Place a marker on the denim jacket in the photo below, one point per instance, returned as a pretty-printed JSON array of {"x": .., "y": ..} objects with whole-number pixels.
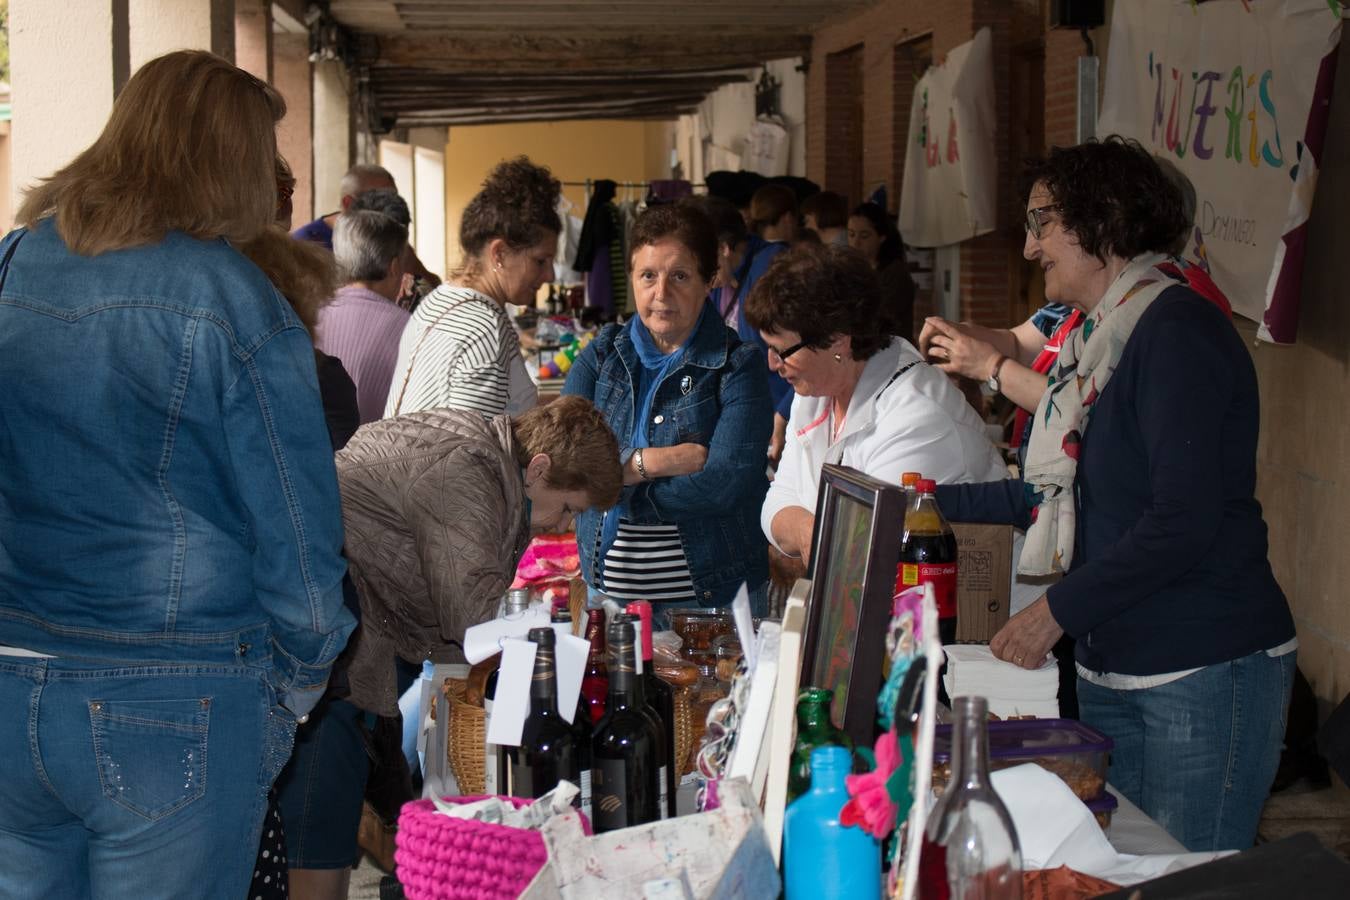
[
  {"x": 718, "y": 396},
  {"x": 167, "y": 487}
]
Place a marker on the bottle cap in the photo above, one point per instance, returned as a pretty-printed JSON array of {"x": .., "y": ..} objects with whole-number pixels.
[
  {"x": 544, "y": 637},
  {"x": 829, "y": 758},
  {"x": 925, "y": 485},
  {"x": 909, "y": 478},
  {"x": 517, "y": 600}
]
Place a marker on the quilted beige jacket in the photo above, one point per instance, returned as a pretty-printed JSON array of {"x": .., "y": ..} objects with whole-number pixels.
[{"x": 433, "y": 503}]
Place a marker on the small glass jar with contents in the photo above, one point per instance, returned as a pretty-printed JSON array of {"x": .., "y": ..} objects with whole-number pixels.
[{"x": 727, "y": 653}]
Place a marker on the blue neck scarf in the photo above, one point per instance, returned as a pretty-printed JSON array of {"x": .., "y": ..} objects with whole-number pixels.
[{"x": 654, "y": 367}]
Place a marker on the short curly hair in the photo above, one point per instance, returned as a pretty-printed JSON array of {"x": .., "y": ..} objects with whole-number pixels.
[
  {"x": 820, "y": 293},
  {"x": 580, "y": 444},
  {"x": 517, "y": 203},
  {"x": 682, "y": 222},
  {"x": 1112, "y": 196}
]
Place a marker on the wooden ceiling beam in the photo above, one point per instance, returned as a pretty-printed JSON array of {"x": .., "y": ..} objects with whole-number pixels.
[{"x": 522, "y": 53}]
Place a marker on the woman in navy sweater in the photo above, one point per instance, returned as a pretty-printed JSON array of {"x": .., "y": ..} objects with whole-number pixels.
[{"x": 1139, "y": 485}]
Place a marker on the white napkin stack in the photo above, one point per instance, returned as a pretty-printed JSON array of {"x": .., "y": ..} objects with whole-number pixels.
[{"x": 974, "y": 671}]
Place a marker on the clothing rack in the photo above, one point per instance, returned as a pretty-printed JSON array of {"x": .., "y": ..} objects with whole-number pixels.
[{"x": 589, "y": 183}]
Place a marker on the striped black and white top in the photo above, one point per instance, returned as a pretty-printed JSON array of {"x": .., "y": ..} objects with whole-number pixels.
[
  {"x": 647, "y": 562},
  {"x": 464, "y": 354}
]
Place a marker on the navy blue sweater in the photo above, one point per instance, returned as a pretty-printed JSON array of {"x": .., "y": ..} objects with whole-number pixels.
[{"x": 1169, "y": 568}]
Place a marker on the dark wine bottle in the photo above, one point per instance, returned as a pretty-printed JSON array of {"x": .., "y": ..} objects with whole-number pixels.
[
  {"x": 661, "y": 701},
  {"x": 496, "y": 778},
  {"x": 595, "y": 683},
  {"x": 625, "y": 771},
  {"x": 663, "y": 736},
  {"x": 547, "y": 751},
  {"x": 582, "y": 727}
]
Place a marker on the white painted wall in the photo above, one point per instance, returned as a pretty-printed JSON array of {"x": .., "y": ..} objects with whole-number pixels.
[
  {"x": 160, "y": 26},
  {"x": 59, "y": 107}
]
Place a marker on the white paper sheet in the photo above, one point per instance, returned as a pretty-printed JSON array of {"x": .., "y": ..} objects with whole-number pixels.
[
  {"x": 481, "y": 641},
  {"x": 570, "y": 657},
  {"x": 511, "y": 703}
]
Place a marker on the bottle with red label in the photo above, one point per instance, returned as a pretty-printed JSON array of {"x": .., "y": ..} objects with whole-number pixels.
[{"x": 928, "y": 555}]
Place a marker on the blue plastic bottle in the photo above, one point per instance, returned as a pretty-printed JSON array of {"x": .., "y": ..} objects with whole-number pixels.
[{"x": 822, "y": 858}]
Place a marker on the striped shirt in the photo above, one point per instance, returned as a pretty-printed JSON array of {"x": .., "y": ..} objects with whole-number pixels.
[
  {"x": 363, "y": 329},
  {"x": 463, "y": 353},
  {"x": 647, "y": 562}
]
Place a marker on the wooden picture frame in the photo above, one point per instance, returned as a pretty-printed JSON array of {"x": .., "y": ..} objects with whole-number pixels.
[{"x": 854, "y": 552}]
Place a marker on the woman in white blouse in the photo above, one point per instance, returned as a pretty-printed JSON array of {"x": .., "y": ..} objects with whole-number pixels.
[
  {"x": 459, "y": 349},
  {"x": 865, "y": 398}
]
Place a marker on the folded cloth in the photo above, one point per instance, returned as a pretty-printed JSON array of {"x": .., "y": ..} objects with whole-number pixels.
[{"x": 1012, "y": 691}]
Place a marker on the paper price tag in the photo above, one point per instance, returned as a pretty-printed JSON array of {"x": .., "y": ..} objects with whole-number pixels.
[{"x": 511, "y": 705}]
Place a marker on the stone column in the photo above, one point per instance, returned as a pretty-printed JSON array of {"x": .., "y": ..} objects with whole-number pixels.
[
  {"x": 159, "y": 26},
  {"x": 332, "y": 134},
  {"x": 253, "y": 38},
  {"x": 295, "y": 138},
  {"x": 67, "y": 62}
]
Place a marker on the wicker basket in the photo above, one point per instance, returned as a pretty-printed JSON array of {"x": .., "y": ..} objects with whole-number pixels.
[
  {"x": 685, "y": 731},
  {"x": 467, "y": 739}
]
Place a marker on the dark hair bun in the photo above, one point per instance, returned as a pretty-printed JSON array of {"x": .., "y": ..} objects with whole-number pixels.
[{"x": 517, "y": 203}]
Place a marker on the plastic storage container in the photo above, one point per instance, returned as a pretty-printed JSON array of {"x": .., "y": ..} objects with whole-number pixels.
[
  {"x": 698, "y": 628},
  {"x": 1071, "y": 750},
  {"x": 1103, "y": 808}
]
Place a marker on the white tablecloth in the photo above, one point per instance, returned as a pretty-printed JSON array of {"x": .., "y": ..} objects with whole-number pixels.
[{"x": 1132, "y": 831}]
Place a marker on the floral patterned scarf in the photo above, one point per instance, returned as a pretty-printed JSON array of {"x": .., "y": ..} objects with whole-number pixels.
[{"x": 1085, "y": 365}]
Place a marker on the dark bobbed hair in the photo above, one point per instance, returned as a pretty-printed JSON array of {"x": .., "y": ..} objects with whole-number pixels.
[
  {"x": 829, "y": 208},
  {"x": 517, "y": 203},
  {"x": 771, "y": 203},
  {"x": 892, "y": 247},
  {"x": 725, "y": 217},
  {"x": 682, "y": 222},
  {"x": 1113, "y": 197},
  {"x": 820, "y": 293}
]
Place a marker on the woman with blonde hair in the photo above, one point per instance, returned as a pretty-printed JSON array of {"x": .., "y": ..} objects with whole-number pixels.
[{"x": 170, "y": 587}]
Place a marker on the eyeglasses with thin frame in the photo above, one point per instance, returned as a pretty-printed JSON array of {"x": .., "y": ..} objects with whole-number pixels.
[
  {"x": 782, "y": 355},
  {"x": 1034, "y": 221}
]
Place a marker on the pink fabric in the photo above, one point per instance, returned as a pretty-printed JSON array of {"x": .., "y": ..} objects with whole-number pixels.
[{"x": 870, "y": 806}]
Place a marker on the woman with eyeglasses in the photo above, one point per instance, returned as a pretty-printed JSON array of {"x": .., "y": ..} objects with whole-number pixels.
[
  {"x": 689, "y": 402},
  {"x": 865, "y": 398},
  {"x": 1139, "y": 486}
]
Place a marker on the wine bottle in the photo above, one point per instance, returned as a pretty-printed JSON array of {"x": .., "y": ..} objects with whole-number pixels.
[
  {"x": 495, "y": 778},
  {"x": 661, "y": 701},
  {"x": 625, "y": 772},
  {"x": 582, "y": 730},
  {"x": 663, "y": 753},
  {"x": 595, "y": 683},
  {"x": 547, "y": 752}
]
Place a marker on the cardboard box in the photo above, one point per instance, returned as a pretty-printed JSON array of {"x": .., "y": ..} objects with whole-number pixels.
[{"x": 983, "y": 580}]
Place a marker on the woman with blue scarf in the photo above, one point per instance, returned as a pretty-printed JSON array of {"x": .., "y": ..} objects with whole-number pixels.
[{"x": 689, "y": 403}]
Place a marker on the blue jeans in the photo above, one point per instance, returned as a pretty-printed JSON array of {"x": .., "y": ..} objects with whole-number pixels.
[
  {"x": 1198, "y": 754},
  {"x": 142, "y": 781}
]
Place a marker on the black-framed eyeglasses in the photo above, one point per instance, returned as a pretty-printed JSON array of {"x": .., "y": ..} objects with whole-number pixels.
[
  {"x": 1034, "y": 221},
  {"x": 782, "y": 355}
]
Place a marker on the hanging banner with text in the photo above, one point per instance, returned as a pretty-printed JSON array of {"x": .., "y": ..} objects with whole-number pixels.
[
  {"x": 1237, "y": 94},
  {"x": 950, "y": 187}
]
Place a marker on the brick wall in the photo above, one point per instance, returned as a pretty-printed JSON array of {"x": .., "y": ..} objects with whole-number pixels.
[
  {"x": 996, "y": 286},
  {"x": 844, "y": 115}
]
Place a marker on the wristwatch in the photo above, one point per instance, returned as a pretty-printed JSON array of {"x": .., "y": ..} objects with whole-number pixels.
[{"x": 994, "y": 384}]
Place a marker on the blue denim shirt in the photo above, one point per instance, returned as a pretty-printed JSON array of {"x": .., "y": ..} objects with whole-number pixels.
[
  {"x": 718, "y": 396},
  {"x": 167, "y": 488}
]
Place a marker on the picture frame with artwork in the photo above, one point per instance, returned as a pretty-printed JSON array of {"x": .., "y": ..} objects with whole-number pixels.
[{"x": 854, "y": 552}]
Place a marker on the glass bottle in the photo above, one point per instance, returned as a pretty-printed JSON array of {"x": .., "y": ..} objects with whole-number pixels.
[
  {"x": 659, "y": 726},
  {"x": 581, "y": 724},
  {"x": 929, "y": 554},
  {"x": 814, "y": 730},
  {"x": 661, "y": 700},
  {"x": 595, "y": 681},
  {"x": 547, "y": 752},
  {"x": 516, "y": 602},
  {"x": 970, "y": 849},
  {"x": 624, "y": 774},
  {"x": 823, "y": 859}
]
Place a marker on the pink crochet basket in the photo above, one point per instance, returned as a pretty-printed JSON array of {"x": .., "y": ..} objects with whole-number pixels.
[{"x": 440, "y": 858}]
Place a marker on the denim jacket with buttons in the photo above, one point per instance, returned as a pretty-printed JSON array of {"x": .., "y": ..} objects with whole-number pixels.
[
  {"x": 717, "y": 396},
  {"x": 167, "y": 487}
]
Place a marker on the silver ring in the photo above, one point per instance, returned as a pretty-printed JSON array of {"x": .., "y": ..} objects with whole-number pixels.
[{"x": 1017, "y": 659}]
